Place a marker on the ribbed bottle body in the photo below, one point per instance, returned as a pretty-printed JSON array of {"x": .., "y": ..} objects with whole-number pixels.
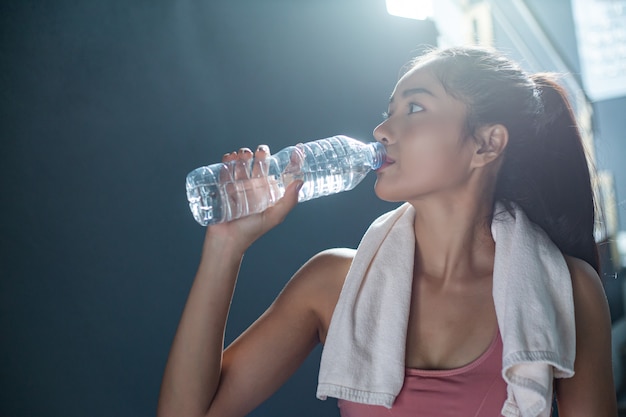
[{"x": 327, "y": 166}]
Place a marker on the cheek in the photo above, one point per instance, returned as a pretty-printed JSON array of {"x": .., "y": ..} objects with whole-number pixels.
[
  {"x": 440, "y": 140},
  {"x": 428, "y": 169},
  {"x": 431, "y": 158},
  {"x": 431, "y": 154}
]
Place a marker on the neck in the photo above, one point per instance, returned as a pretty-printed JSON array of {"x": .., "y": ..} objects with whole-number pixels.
[{"x": 454, "y": 245}]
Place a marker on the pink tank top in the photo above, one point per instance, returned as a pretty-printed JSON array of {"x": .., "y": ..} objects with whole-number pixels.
[{"x": 474, "y": 390}]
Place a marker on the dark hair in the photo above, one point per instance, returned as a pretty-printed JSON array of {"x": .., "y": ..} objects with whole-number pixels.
[{"x": 545, "y": 168}]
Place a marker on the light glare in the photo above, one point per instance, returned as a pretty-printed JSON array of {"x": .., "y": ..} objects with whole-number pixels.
[{"x": 412, "y": 9}]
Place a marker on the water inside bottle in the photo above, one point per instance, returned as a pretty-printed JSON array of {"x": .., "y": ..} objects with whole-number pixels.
[
  {"x": 243, "y": 197},
  {"x": 247, "y": 196},
  {"x": 322, "y": 183},
  {"x": 216, "y": 203},
  {"x": 327, "y": 166}
]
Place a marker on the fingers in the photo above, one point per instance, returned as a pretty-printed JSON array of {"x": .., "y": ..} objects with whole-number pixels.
[
  {"x": 244, "y": 164},
  {"x": 228, "y": 157},
  {"x": 260, "y": 192},
  {"x": 260, "y": 165},
  {"x": 226, "y": 173},
  {"x": 236, "y": 165}
]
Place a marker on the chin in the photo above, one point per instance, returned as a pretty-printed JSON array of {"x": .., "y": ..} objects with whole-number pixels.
[{"x": 386, "y": 194}]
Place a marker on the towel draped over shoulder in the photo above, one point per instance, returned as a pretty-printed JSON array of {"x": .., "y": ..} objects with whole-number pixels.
[{"x": 364, "y": 354}]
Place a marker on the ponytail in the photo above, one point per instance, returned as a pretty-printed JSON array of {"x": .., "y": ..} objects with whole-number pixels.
[
  {"x": 545, "y": 169},
  {"x": 548, "y": 176}
]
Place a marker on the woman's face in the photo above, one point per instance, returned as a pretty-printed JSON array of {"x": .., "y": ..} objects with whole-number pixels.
[{"x": 424, "y": 135}]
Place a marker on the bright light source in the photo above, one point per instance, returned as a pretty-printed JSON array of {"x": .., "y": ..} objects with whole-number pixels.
[{"x": 412, "y": 9}]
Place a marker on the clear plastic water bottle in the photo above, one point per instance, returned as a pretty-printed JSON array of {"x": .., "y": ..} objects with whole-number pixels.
[{"x": 327, "y": 166}]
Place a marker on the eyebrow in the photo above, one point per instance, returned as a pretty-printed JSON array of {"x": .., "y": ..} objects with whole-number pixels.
[{"x": 412, "y": 91}]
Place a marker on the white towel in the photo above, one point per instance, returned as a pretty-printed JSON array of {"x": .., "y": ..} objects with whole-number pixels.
[{"x": 364, "y": 354}]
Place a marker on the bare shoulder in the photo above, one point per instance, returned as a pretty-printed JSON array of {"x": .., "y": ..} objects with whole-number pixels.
[
  {"x": 590, "y": 391},
  {"x": 318, "y": 283},
  {"x": 326, "y": 270},
  {"x": 589, "y": 296},
  {"x": 332, "y": 258},
  {"x": 591, "y": 309}
]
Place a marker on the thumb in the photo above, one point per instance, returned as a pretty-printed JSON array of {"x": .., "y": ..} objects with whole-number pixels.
[
  {"x": 279, "y": 211},
  {"x": 290, "y": 199}
]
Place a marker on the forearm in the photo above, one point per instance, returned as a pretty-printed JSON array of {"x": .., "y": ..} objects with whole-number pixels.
[{"x": 192, "y": 373}]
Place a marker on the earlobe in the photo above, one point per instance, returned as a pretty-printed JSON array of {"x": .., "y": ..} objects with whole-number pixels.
[{"x": 491, "y": 142}]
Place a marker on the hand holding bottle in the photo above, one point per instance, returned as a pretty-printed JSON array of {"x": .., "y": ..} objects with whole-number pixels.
[
  {"x": 226, "y": 191},
  {"x": 249, "y": 172}
]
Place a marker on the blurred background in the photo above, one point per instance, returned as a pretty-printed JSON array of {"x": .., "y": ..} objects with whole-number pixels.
[{"x": 106, "y": 106}]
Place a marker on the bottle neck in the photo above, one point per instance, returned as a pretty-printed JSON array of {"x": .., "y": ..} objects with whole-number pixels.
[{"x": 376, "y": 155}]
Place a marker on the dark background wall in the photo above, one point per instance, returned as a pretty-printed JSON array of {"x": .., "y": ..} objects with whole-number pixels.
[{"x": 105, "y": 107}]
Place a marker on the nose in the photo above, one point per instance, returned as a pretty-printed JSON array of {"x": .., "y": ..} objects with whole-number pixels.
[{"x": 381, "y": 133}]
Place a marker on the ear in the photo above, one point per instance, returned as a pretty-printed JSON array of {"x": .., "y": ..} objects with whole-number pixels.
[{"x": 491, "y": 140}]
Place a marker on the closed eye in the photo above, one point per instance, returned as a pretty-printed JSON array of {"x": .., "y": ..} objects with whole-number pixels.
[{"x": 386, "y": 115}]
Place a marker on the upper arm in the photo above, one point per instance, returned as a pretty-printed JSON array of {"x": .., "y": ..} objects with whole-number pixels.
[
  {"x": 590, "y": 392},
  {"x": 259, "y": 361}
]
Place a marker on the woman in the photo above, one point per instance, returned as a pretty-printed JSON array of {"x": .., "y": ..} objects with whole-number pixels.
[{"x": 465, "y": 129}]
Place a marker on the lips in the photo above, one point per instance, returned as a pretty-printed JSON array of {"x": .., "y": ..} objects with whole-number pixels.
[{"x": 388, "y": 161}]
